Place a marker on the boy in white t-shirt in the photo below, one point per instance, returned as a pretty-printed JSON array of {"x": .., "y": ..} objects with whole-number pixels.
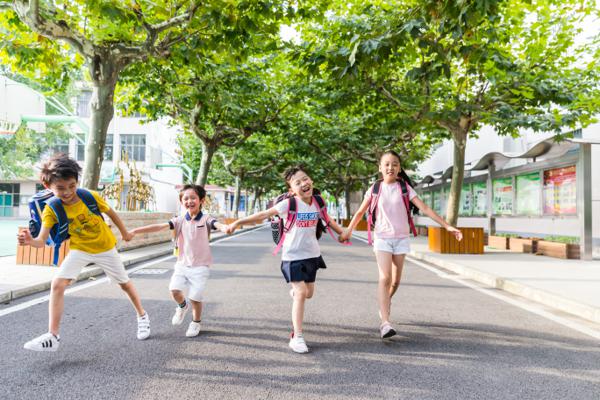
[
  {"x": 194, "y": 258},
  {"x": 301, "y": 255}
]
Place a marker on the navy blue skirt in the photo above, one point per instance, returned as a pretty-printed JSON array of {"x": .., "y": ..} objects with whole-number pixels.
[{"x": 302, "y": 270}]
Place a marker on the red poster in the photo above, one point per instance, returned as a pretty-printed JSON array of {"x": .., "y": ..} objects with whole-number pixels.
[{"x": 560, "y": 191}]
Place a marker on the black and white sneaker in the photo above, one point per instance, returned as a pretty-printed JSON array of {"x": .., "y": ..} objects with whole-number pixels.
[{"x": 45, "y": 342}]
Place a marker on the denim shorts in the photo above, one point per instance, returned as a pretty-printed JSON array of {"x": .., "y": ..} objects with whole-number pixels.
[
  {"x": 302, "y": 270},
  {"x": 394, "y": 246}
]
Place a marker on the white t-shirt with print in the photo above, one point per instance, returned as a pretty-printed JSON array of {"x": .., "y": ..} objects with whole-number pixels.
[{"x": 300, "y": 242}]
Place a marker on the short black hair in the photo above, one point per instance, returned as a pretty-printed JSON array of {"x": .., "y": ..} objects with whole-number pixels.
[
  {"x": 200, "y": 191},
  {"x": 59, "y": 166},
  {"x": 291, "y": 171}
]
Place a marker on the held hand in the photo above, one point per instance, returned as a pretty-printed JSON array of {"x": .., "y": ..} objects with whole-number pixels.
[
  {"x": 24, "y": 237},
  {"x": 224, "y": 228},
  {"x": 457, "y": 234},
  {"x": 344, "y": 236},
  {"x": 127, "y": 236}
]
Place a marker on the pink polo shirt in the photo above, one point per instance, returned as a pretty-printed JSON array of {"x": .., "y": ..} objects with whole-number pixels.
[
  {"x": 194, "y": 250},
  {"x": 391, "y": 217}
]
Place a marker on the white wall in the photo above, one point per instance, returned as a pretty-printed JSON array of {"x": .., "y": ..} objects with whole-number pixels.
[{"x": 17, "y": 99}]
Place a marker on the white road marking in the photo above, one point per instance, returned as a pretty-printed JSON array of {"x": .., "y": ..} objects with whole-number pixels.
[
  {"x": 534, "y": 309},
  {"x": 45, "y": 298}
]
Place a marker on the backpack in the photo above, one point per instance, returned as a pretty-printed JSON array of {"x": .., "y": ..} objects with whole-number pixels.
[
  {"x": 372, "y": 212},
  {"x": 60, "y": 231},
  {"x": 279, "y": 228}
]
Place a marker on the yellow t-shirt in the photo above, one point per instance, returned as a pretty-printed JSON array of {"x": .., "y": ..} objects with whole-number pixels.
[{"x": 88, "y": 231}]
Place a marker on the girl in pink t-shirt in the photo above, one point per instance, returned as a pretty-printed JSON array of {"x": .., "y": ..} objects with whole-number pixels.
[{"x": 391, "y": 232}]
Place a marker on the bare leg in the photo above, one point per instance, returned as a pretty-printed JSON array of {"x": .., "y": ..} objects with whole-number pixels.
[
  {"x": 302, "y": 291},
  {"x": 196, "y": 310},
  {"x": 57, "y": 304},
  {"x": 178, "y": 296},
  {"x": 398, "y": 264},
  {"x": 384, "y": 263},
  {"x": 129, "y": 289}
]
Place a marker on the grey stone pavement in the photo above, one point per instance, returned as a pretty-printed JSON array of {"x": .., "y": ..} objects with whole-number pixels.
[{"x": 454, "y": 342}]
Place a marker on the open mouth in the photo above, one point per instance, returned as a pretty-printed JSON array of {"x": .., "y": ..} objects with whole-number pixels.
[{"x": 306, "y": 189}]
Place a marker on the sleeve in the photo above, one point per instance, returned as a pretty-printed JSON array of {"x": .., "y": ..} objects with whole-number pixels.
[
  {"x": 48, "y": 218},
  {"x": 411, "y": 192},
  {"x": 282, "y": 208},
  {"x": 102, "y": 204},
  {"x": 211, "y": 221},
  {"x": 368, "y": 193},
  {"x": 173, "y": 222}
]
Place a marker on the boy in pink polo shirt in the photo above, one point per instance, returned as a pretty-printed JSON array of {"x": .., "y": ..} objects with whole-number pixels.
[{"x": 194, "y": 258}]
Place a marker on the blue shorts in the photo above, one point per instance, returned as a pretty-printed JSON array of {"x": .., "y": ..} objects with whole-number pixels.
[{"x": 302, "y": 270}]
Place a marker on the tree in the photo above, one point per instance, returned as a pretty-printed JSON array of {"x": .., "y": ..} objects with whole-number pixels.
[
  {"x": 458, "y": 65},
  {"x": 109, "y": 37}
]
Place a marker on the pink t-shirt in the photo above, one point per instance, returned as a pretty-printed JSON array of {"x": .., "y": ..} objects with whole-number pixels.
[
  {"x": 391, "y": 217},
  {"x": 193, "y": 240}
]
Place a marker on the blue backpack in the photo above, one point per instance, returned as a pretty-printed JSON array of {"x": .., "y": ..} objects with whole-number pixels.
[{"x": 60, "y": 231}]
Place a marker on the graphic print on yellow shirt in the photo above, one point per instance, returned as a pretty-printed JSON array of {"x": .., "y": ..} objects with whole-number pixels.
[{"x": 88, "y": 231}]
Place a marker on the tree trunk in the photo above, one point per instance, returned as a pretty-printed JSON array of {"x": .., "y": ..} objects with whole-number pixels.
[
  {"x": 337, "y": 207},
  {"x": 208, "y": 151},
  {"x": 105, "y": 73},
  {"x": 236, "y": 200},
  {"x": 347, "y": 199},
  {"x": 458, "y": 172},
  {"x": 257, "y": 194}
]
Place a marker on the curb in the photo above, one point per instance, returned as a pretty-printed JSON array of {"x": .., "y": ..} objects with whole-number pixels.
[
  {"x": 552, "y": 300},
  {"x": 8, "y": 296}
]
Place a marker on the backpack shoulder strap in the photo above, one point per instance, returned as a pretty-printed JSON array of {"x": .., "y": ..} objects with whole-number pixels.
[
  {"x": 89, "y": 200},
  {"x": 292, "y": 214},
  {"x": 406, "y": 200},
  {"x": 375, "y": 192},
  {"x": 62, "y": 226}
]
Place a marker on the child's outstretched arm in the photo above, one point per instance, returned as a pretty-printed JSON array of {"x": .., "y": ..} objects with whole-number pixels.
[
  {"x": 150, "y": 228},
  {"x": 347, "y": 233},
  {"x": 125, "y": 234},
  {"x": 222, "y": 227},
  {"x": 25, "y": 239},
  {"x": 254, "y": 218},
  {"x": 436, "y": 217}
]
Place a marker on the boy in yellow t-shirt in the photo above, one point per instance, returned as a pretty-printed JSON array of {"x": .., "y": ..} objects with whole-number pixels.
[{"x": 91, "y": 242}]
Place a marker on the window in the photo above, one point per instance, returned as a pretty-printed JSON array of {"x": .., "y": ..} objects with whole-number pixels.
[
  {"x": 108, "y": 149},
  {"x": 135, "y": 146},
  {"x": 62, "y": 147},
  {"x": 83, "y": 104},
  {"x": 9, "y": 198}
]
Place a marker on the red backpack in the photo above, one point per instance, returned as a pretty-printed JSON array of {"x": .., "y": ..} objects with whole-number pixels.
[
  {"x": 375, "y": 193},
  {"x": 279, "y": 228}
]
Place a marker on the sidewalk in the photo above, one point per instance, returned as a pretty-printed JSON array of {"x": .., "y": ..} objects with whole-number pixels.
[
  {"x": 22, "y": 280},
  {"x": 572, "y": 286}
]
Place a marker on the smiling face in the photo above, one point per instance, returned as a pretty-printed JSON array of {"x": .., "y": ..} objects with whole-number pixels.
[
  {"x": 389, "y": 166},
  {"x": 191, "y": 201},
  {"x": 64, "y": 189},
  {"x": 301, "y": 185}
]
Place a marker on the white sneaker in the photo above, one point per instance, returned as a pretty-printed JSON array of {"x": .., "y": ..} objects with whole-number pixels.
[
  {"x": 179, "y": 315},
  {"x": 45, "y": 342},
  {"x": 386, "y": 330},
  {"x": 193, "y": 329},
  {"x": 298, "y": 344},
  {"x": 143, "y": 327}
]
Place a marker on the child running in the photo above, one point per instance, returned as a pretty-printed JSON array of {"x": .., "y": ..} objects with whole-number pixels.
[
  {"x": 392, "y": 241},
  {"x": 301, "y": 255},
  {"x": 91, "y": 242},
  {"x": 192, "y": 269}
]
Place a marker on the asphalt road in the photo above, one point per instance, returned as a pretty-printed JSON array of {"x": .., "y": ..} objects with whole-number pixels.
[{"x": 454, "y": 342}]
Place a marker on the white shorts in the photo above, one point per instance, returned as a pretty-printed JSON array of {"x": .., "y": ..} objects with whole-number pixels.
[
  {"x": 109, "y": 261},
  {"x": 190, "y": 279},
  {"x": 394, "y": 246}
]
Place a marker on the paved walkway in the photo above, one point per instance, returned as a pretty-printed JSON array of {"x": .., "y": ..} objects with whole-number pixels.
[
  {"x": 22, "y": 280},
  {"x": 572, "y": 286}
]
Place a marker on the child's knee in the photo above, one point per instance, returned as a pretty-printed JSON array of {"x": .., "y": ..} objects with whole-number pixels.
[
  {"x": 385, "y": 279},
  {"x": 59, "y": 284}
]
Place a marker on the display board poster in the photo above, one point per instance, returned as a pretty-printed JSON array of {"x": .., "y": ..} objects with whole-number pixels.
[
  {"x": 560, "y": 191},
  {"x": 437, "y": 201},
  {"x": 529, "y": 190},
  {"x": 426, "y": 197},
  {"x": 503, "y": 196},
  {"x": 479, "y": 190},
  {"x": 466, "y": 200}
]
